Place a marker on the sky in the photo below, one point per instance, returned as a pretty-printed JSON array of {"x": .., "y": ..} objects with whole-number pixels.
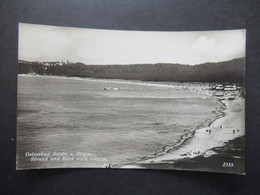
[{"x": 95, "y": 46}]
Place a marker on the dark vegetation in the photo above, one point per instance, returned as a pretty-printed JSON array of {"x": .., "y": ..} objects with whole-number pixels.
[{"x": 228, "y": 71}]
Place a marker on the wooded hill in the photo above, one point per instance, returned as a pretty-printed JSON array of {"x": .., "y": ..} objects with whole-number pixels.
[{"x": 227, "y": 71}]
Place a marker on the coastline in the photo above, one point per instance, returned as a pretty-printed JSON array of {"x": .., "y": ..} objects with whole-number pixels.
[
  {"x": 189, "y": 146},
  {"x": 224, "y": 130},
  {"x": 182, "y": 141}
]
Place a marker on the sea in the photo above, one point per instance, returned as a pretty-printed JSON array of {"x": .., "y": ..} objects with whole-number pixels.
[{"x": 76, "y": 123}]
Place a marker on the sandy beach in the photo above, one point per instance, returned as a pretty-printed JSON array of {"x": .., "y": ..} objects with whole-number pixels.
[{"x": 205, "y": 140}]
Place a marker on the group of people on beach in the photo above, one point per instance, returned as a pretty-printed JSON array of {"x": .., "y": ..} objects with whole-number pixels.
[
  {"x": 198, "y": 152},
  {"x": 234, "y": 131}
]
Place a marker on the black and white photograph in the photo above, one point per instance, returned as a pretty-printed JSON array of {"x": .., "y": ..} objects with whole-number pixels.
[{"x": 96, "y": 98}]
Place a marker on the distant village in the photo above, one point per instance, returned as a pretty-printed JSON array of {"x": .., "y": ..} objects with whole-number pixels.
[
  {"x": 219, "y": 90},
  {"x": 55, "y": 63},
  {"x": 228, "y": 89}
]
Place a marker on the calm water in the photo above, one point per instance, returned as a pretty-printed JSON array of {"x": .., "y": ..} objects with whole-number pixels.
[{"x": 119, "y": 127}]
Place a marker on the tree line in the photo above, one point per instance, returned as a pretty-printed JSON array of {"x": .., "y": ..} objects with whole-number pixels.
[{"x": 227, "y": 71}]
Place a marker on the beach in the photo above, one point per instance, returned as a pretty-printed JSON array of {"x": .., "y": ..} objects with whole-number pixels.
[{"x": 209, "y": 143}]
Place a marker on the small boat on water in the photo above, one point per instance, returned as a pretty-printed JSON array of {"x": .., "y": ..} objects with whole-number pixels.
[{"x": 111, "y": 88}]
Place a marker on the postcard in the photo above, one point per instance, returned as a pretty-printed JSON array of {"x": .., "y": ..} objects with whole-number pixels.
[{"x": 94, "y": 98}]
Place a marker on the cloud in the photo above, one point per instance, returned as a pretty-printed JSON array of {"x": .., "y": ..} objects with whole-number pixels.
[
  {"x": 204, "y": 44},
  {"x": 92, "y": 46}
]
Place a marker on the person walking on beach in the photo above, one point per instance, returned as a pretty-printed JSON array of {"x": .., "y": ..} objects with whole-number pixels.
[{"x": 234, "y": 131}]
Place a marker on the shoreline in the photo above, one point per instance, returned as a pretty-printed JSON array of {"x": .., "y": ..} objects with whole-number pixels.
[
  {"x": 180, "y": 142},
  {"x": 183, "y": 148},
  {"x": 221, "y": 133}
]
